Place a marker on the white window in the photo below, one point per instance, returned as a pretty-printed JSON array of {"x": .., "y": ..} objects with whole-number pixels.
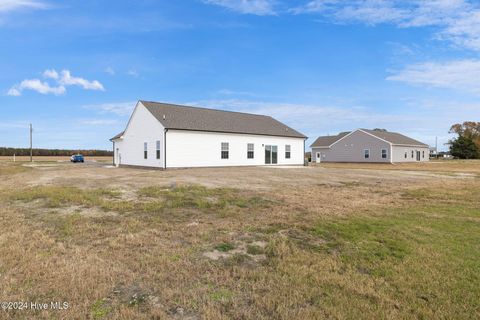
[
  {"x": 413, "y": 153},
  {"x": 406, "y": 154},
  {"x": 366, "y": 153},
  {"x": 423, "y": 154},
  {"x": 145, "y": 150},
  {"x": 250, "y": 150},
  {"x": 224, "y": 150},
  {"x": 158, "y": 149},
  {"x": 384, "y": 153},
  {"x": 287, "y": 151}
]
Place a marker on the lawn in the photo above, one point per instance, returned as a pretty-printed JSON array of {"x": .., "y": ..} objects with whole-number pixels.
[{"x": 252, "y": 243}]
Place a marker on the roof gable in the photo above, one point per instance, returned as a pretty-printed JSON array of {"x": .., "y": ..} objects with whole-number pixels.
[
  {"x": 393, "y": 138},
  {"x": 326, "y": 141},
  {"x": 201, "y": 119}
]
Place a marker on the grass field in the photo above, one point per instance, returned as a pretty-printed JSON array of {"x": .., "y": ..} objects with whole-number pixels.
[
  {"x": 51, "y": 159},
  {"x": 322, "y": 242}
]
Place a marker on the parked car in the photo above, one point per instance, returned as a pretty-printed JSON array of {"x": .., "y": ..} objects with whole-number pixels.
[{"x": 77, "y": 158}]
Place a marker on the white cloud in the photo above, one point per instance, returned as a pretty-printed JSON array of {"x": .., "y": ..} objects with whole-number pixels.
[
  {"x": 255, "y": 7},
  {"x": 35, "y": 85},
  {"x": 118, "y": 108},
  {"x": 68, "y": 80},
  {"x": 10, "y": 5},
  {"x": 52, "y": 74},
  {"x": 132, "y": 72},
  {"x": 459, "y": 20},
  {"x": 110, "y": 71},
  {"x": 14, "y": 92},
  {"x": 63, "y": 80},
  {"x": 457, "y": 74}
]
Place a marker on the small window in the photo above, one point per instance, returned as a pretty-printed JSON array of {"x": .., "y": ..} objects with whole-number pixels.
[
  {"x": 145, "y": 150},
  {"x": 423, "y": 154},
  {"x": 250, "y": 150},
  {"x": 224, "y": 150},
  {"x": 406, "y": 154},
  {"x": 287, "y": 151},
  {"x": 366, "y": 153},
  {"x": 158, "y": 149},
  {"x": 384, "y": 153},
  {"x": 413, "y": 154}
]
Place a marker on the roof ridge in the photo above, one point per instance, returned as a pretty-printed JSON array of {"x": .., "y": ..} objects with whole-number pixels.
[{"x": 204, "y": 108}]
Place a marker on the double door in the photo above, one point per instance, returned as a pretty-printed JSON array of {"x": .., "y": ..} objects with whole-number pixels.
[{"x": 271, "y": 154}]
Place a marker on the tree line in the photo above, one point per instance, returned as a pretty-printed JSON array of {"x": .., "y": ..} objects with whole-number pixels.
[
  {"x": 466, "y": 145},
  {"x": 53, "y": 152}
]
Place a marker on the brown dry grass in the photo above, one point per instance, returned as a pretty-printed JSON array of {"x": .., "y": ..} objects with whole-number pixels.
[
  {"x": 300, "y": 243},
  {"x": 433, "y": 165}
]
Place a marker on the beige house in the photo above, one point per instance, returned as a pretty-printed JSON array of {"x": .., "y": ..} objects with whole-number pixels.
[{"x": 363, "y": 145}]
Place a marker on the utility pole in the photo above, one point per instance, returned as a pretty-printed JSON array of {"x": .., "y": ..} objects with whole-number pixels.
[
  {"x": 31, "y": 143},
  {"x": 436, "y": 147}
]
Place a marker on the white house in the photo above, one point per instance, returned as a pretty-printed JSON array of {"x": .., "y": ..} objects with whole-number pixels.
[
  {"x": 363, "y": 145},
  {"x": 165, "y": 136}
]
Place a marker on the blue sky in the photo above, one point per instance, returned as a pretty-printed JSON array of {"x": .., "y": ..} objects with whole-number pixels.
[{"x": 76, "y": 68}]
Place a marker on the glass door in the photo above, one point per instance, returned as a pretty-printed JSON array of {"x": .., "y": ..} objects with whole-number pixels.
[
  {"x": 268, "y": 154},
  {"x": 274, "y": 154},
  {"x": 271, "y": 154}
]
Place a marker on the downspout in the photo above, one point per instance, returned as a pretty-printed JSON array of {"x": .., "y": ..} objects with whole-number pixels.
[
  {"x": 391, "y": 153},
  {"x": 304, "y": 139},
  {"x": 165, "y": 150}
]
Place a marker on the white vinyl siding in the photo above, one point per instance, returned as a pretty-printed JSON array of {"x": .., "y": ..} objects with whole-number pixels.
[
  {"x": 202, "y": 149},
  {"x": 142, "y": 127}
]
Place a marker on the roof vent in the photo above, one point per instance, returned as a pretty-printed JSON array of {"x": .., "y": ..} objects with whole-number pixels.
[
  {"x": 164, "y": 117},
  {"x": 286, "y": 129}
]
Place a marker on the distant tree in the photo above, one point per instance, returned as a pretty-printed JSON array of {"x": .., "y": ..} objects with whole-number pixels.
[
  {"x": 378, "y": 129},
  {"x": 52, "y": 152},
  {"x": 468, "y": 129},
  {"x": 464, "y": 148}
]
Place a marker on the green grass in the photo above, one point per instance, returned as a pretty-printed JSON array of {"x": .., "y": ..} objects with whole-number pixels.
[
  {"x": 425, "y": 256},
  {"x": 58, "y": 196},
  {"x": 155, "y": 198},
  {"x": 200, "y": 197},
  {"x": 224, "y": 247},
  {"x": 100, "y": 309}
]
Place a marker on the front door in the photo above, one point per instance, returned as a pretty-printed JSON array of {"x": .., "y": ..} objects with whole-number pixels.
[
  {"x": 418, "y": 155},
  {"x": 318, "y": 158},
  {"x": 271, "y": 154}
]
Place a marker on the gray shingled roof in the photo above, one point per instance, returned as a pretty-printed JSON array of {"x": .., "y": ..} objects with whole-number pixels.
[
  {"x": 201, "y": 119},
  {"x": 118, "y": 136},
  {"x": 392, "y": 137},
  {"x": 326, "y": 141},
  {"x": 395, "y": 138}
]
